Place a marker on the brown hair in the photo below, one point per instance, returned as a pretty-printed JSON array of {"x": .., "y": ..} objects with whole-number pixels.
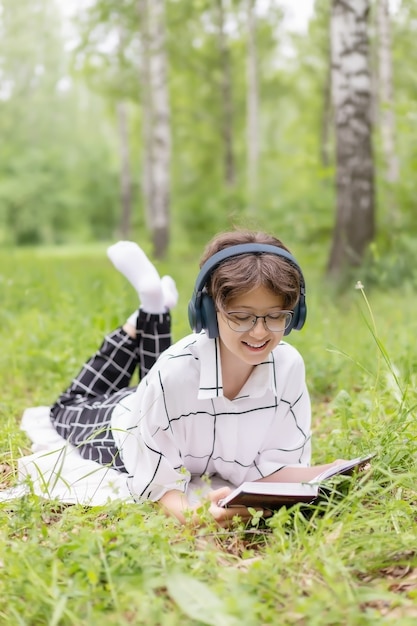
[{"x": 246, "y": 272}]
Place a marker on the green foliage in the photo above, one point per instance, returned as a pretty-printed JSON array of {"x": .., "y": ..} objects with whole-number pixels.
[
  {"x": 350, "y": 562},
  {"x": 58, "y": 173},
  {"x": 392, "y": 263},
  {"x": 59, "y": 164}
]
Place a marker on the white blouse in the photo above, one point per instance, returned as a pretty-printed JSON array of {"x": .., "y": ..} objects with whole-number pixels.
[{"x": 178, "y": 423}]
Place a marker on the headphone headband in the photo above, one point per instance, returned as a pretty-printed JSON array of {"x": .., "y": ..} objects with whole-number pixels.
[
  {"x": 238, "y": 250},
  {"x": 201, "y": 309}
]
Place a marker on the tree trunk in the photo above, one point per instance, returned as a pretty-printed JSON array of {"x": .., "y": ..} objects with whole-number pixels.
[
  {"x": 351, "y": 91},
  {"x": 156, "y": 124},
  {"x": 227, "y": 103},
  {"x": 327, "y": 111},
  {"x": 386, "y": 99},
  {"x": 327, "y": 119},
  {"x": 125, "y": 177},
  {"x": 252, "y": 110},
  {"x": 146, "y": 111}
]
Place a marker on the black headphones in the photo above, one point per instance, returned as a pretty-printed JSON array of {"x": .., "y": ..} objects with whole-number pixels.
[{"x": 201, "y": 310}]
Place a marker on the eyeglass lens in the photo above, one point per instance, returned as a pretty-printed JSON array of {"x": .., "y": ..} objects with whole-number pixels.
[{"x": 242, "y": 322}]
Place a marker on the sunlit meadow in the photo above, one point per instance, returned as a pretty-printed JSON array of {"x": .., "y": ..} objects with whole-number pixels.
[{"x": 351, "y": 562}]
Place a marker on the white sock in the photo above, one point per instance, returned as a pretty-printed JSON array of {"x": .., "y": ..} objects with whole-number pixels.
[
  {"x": 170, "y": 292},
  {"x": 132, "y": 319},
  {"x": 132, "y": 262}
]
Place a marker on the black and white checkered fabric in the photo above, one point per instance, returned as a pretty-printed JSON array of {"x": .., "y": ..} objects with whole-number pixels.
[{"x": 82, "y": 414}]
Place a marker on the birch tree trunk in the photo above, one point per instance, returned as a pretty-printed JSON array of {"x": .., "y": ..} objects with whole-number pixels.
[
  {"x": 146, "y": 111},
  {"x": 327, "y": 119},
  {"x": 252, "y": 109},
  {"x": 326, "y": 133},
  {"x": 386, "y": 99},
  {"x": 227, "y": 103},
  {"x": 125, "y": 175},
  {"x": 352, "y": 101},
  {"x": 156, "y": 123}
]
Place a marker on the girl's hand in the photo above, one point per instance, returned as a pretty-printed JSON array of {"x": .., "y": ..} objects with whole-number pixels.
[
  {"x": 224, "y": 516},
  {"x": 175, "y": 503}
]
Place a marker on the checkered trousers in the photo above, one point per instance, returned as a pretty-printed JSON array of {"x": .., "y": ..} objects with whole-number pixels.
[{"x": 82, "y": 414}]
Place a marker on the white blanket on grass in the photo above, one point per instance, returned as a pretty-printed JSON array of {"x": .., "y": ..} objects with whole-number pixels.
[{"x": 55, "y": 470}]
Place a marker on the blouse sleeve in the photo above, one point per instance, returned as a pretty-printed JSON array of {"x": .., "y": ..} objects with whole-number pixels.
[{"x": 148, "y": 449}]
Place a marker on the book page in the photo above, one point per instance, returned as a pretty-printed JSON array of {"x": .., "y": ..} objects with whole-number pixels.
[{"x": 343, "y": 468}]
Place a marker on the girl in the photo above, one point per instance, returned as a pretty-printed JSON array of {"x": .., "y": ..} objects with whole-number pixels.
[{"x": 229, "y": 400}]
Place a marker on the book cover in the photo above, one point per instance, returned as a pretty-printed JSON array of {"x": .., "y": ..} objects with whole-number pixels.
[{"x": 272, "y": 495}]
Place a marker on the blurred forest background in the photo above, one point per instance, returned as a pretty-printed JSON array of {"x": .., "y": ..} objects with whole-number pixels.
[{"x": 180, "y": 118}]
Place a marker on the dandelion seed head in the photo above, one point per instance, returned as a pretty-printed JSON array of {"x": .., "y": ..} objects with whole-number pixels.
[{"x": 359, "y": 285}]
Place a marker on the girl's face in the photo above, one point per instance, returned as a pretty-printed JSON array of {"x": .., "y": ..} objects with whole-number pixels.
[{"x": 255, "y": 344}]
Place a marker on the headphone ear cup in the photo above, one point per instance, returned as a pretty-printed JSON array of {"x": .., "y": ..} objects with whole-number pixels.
[
  {"x": 299, "y": 316},
  {"x": 302, "y": 306},
  {"x": 192, "y": 316},
  {"x": 203, "y": 316},
  {"x": 209, "y": 316}
]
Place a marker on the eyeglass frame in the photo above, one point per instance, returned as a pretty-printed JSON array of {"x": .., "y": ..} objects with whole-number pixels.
[{"x": 255, "y": 319}]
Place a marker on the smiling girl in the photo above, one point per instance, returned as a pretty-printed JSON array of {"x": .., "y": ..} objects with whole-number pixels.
[{"x": 229, "y": 400}]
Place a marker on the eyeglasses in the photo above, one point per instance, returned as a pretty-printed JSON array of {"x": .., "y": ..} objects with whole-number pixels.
[{"x": 241, "y": 322}]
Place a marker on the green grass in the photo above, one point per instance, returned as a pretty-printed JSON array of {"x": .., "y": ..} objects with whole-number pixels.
[{"x": 353, "y": 563}]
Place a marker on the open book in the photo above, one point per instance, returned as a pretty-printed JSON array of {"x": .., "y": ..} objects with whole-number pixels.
[{"x": 274, "y": 495}]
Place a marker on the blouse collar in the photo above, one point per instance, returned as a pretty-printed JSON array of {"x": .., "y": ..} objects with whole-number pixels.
[{"x": 261, "y": 380}]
